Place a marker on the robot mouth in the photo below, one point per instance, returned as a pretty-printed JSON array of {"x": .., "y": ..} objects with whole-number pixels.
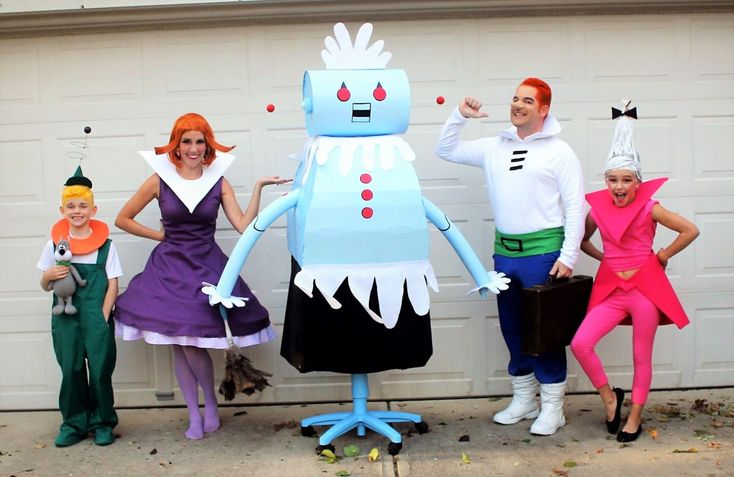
[{"x": 361, "y": 112}]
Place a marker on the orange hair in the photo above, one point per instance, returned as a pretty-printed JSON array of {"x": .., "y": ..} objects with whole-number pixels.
[
  {"x": 543, "y": 91},
  {"x": 192, "y": 122}
]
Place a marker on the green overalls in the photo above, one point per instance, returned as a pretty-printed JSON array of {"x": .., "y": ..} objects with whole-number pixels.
[{"x": 86, "y": 405}]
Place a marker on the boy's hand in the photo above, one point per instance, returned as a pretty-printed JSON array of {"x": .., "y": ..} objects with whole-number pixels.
[{"x": 57, "y": 272}]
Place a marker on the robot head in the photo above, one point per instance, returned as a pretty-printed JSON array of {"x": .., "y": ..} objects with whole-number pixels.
[{"x": 355, "y": 95}]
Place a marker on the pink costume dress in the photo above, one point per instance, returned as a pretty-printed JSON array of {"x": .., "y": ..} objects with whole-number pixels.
[
  {"x": 620, "y": 227},
  {"x": 645, "y": 300}
]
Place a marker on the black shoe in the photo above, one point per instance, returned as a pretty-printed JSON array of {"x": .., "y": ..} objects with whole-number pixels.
[
  {"x": 627, "y": 437},
  {"x": 613, "y": 425}
]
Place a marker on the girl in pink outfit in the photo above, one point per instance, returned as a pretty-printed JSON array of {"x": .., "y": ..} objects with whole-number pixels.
[{"x": 631, "y": 286}]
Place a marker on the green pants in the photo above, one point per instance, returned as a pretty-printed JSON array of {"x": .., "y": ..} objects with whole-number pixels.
[{"x": 85, "y": 349}]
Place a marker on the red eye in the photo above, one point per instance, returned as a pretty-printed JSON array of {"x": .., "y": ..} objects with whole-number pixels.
[
  {"x": 379, "y": 93},
  {"x": 343, "y": 94}
]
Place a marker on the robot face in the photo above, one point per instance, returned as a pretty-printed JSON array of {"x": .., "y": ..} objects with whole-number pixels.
[
  {"x": 356, "y": 102},
  {"x": 361, "y": 112}
]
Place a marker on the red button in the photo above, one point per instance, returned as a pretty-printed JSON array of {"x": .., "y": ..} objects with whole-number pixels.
[
  {"x": 365, "y": 178},
  {"x": 367, "y": 213},
  {"x": 367, "y": 194}
]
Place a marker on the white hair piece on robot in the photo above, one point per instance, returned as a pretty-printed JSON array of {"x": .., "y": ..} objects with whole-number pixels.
[{"x": 340, "y": 54}]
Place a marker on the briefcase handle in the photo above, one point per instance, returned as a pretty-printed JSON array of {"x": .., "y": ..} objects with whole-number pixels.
[{"x": 552, "y": 280}]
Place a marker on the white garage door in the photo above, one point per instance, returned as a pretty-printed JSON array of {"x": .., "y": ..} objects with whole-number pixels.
[{"x": 130, "y": 86}]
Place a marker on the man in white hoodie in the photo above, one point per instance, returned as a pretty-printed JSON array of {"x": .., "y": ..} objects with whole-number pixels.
[{"x": 536, "y": 191}]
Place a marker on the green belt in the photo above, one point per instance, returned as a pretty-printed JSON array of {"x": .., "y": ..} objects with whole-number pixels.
[{"x": 524, "y": 245}]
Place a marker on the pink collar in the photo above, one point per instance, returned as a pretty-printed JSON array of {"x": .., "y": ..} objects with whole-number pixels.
[{"x": 618, "y": 219}]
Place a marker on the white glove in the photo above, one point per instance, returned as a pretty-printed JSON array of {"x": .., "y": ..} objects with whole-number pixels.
[
  {"x": 497, "y": 282},
  {"x": 215, "y": 297}
]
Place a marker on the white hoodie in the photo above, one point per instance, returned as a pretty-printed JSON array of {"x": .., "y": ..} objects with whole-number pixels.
[{"x": 533, "y": 184}]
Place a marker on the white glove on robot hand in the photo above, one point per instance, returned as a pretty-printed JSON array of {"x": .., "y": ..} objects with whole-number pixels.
[
  {"x": 498, "y": 281},
  {"x": 215, "y": 297}
]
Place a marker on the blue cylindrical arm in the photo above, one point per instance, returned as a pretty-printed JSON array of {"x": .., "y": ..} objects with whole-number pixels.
[
  {"x": 456, "y": 239},
  {"x": 247, "y": 240}
]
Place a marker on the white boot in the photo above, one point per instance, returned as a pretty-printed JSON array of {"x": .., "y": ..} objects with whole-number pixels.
[
  {"x": 523, "y": 405},
  {"x": 551, "y": 410}
]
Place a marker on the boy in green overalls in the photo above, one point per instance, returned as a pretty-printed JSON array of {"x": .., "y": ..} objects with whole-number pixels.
[{"x": 86, "y": 404}]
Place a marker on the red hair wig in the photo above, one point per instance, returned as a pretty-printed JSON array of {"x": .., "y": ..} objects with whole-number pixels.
[
  {"x": 192, "y": 122},
  {"x": 543, "y": 91}
]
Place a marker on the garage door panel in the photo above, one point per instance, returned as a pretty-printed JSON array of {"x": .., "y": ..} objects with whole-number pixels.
[
  {"x": 205, "y": 65},
  {"x": 500, "y": 63},
  {"x": 713, "y": 144},
  {"x": 22, "y": 255},
  {"x": 714, "y": 254},
  {"x": 239, "y": 174},
  {"x": 24, "y": 385},
  {"x": 135, "y": 367},
  {"x": 19, "y": 85},
  {"x": 152, "y": 383},
  {"x": 282, "y": 147},
  {"x": 457, "y": 358},
  {"x": 646, "y": 48},
  {"x": 441, "y": 181},
  {"x": 288, "y": 52},
  {"x": 413, "y": 47},
  {"x": 14, "y": 182},
  {"x": 709, "y": 38},
  {"x": 712, "y": 322},
  {"x": 114, "y": 79}
]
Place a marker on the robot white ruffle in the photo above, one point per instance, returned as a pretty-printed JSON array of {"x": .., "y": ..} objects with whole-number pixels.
[{"x": 387, "y": 277}]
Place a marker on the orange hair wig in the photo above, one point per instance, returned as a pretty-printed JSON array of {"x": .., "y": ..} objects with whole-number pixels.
[
  {"x": 192, "y": 122},
  {"x": 543, "y": 91}
]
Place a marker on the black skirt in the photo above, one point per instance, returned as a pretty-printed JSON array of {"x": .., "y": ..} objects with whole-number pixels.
[{"x": 319, "y": 338}]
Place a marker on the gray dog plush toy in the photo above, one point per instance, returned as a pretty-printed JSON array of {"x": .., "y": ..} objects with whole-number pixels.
[{"x": 65, "y": 287}]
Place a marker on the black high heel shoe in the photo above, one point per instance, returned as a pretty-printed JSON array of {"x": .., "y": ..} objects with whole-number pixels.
[
  {"x": 629, "y": 437},
  {"x": 613, "y": 425}
]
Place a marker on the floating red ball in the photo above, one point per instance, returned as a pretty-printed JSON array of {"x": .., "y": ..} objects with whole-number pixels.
[
  {"x": 270, "y": 108},
  {"x": 440, "y": 100}
]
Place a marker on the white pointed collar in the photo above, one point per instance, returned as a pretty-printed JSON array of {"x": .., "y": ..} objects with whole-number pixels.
[{"x": 190, "y": 192}]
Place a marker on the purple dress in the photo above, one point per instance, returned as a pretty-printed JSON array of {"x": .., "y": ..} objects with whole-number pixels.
[{"x": 164, "y": 303}]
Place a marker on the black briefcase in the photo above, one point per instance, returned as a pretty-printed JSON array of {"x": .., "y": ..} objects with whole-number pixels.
[{"x": 553, "y": 312}]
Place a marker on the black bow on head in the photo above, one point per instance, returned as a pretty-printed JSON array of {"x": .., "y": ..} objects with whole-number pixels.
[{"x": 632, "y": 113}]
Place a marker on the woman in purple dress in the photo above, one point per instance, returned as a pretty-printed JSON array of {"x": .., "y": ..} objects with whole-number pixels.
[{"x": 164, "y": 303}]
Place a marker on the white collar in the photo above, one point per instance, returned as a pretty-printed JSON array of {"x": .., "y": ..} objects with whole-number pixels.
[
  {"x": 190, "y": 192},
  {"x": 551, "y": 127}
]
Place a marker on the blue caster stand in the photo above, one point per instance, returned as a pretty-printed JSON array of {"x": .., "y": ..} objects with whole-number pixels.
[{"x": 361, "y": 418}]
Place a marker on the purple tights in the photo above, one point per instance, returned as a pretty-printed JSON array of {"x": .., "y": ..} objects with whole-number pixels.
[{"x": 194, "y": 368}]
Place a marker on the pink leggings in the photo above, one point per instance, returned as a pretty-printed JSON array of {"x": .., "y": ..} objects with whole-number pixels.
[{"x": 603, "y": 319}]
